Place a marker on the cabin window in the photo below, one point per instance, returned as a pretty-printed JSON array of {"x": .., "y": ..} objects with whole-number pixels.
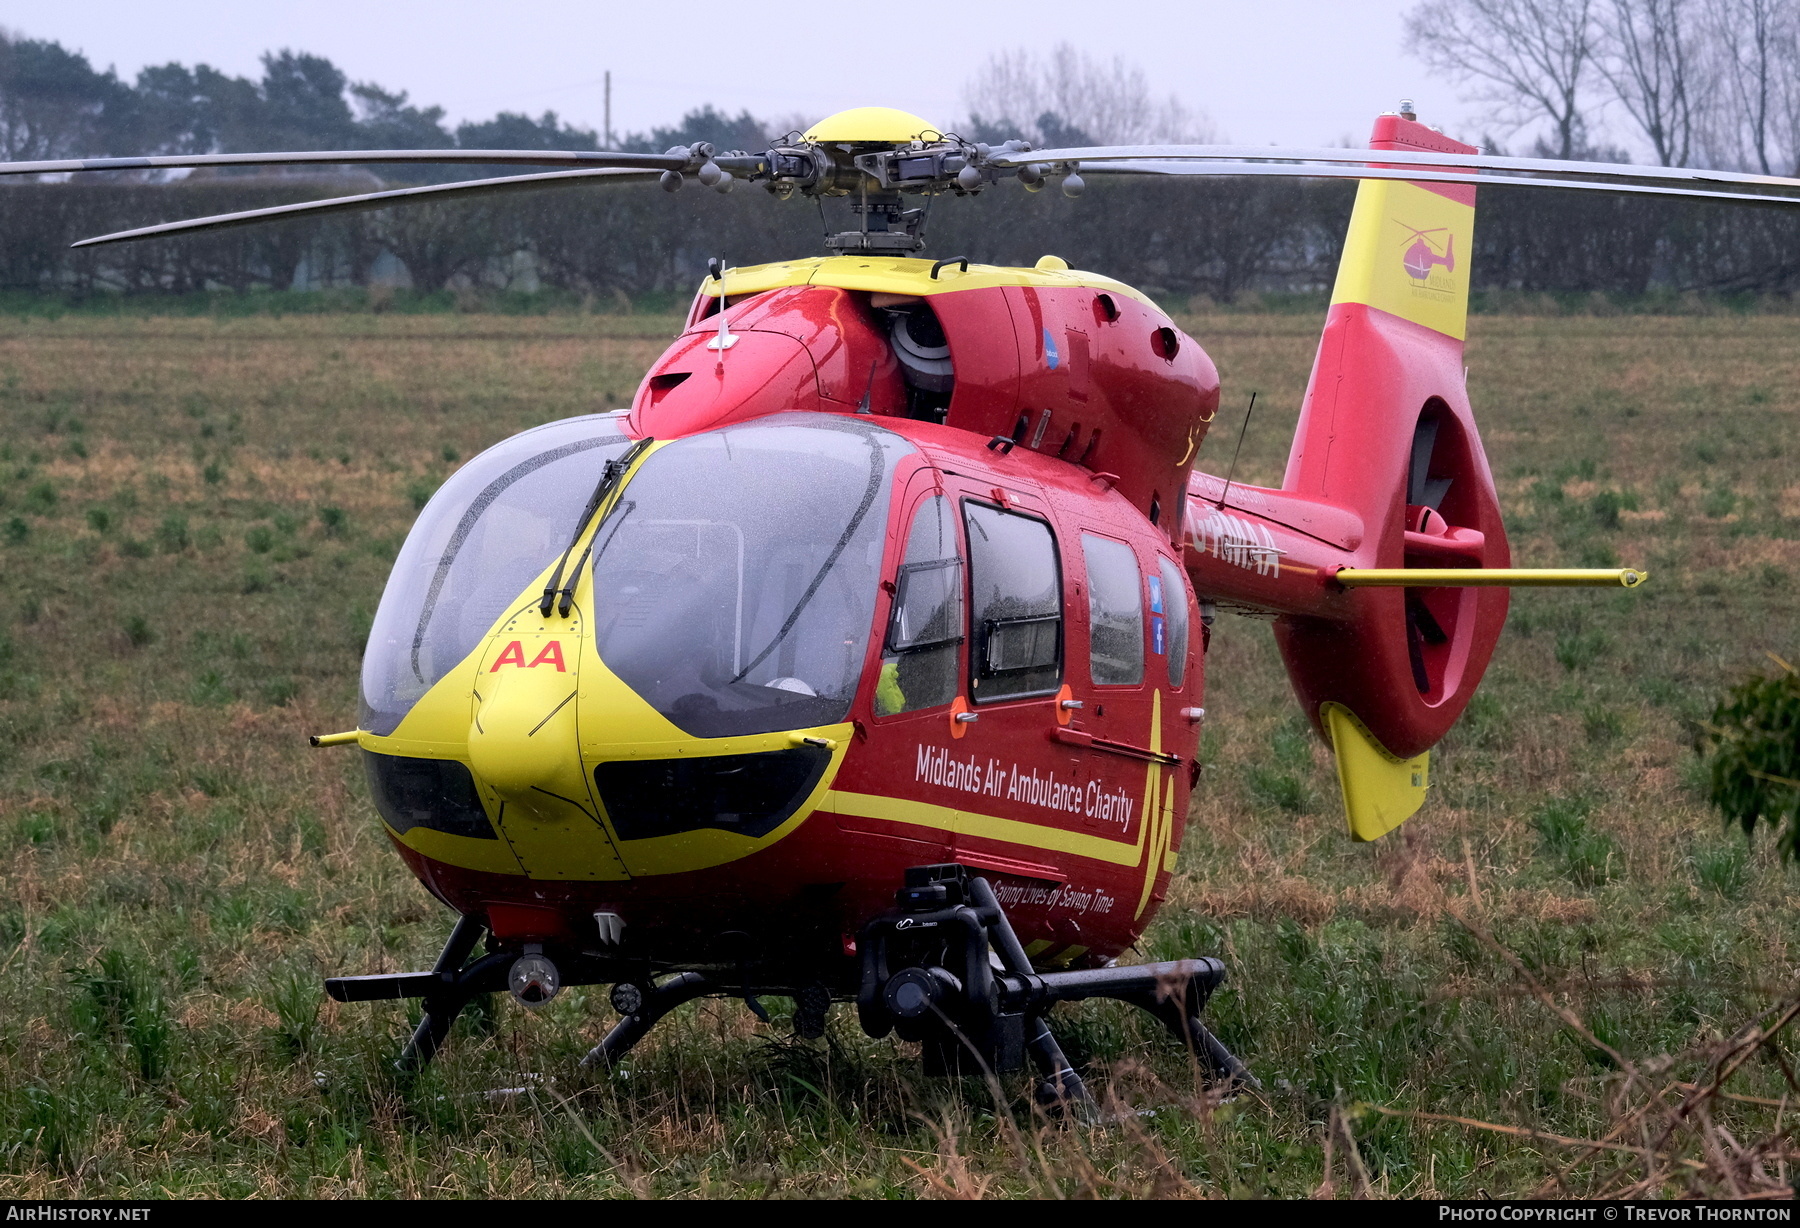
[
  {"x": 1115, "y": 612},
  {"x": 918, "y": 664},
  {"x": 1016, "y": 605},
  {"x": 1172, "y": 635}
]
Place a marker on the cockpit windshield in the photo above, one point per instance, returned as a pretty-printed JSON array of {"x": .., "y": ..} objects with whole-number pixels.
[
  {"x": 735, "y": 579},
  {"x": 498, "y": 522}
]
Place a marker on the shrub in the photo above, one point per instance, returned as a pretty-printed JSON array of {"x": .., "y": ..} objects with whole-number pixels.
[{"x": 1752, "y": 745}]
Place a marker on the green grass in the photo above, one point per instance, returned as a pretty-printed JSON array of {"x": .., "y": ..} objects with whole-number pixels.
[{"x": 185, "y": 598}]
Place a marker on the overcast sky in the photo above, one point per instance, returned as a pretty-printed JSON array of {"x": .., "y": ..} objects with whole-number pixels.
[{"x": 1274, "y": 71}]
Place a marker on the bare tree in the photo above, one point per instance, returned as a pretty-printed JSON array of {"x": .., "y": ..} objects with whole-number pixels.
[
  {"x": 1531, "y": 59},
  {"x": 1787, "y": 60},
  {"x": 1750, "y": 43},
  {"x": 1654, "y": 60},
  {"x": 1070, "y": 97}
]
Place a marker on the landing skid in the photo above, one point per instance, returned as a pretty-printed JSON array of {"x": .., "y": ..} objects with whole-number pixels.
[{"x": 945, "y": 969}]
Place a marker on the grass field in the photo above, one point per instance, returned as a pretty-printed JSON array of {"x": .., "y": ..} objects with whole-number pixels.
[{"x": 196, "y": 518}]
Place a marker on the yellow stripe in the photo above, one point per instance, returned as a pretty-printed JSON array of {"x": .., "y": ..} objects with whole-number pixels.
[
  {"x": 1153, "y": 809},
  {"x": 988, "y": 827},
  {"x": 1152, "y": 824}
]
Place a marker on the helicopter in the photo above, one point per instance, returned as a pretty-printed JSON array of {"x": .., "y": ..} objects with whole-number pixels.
[{"x": 863, "y": 657}]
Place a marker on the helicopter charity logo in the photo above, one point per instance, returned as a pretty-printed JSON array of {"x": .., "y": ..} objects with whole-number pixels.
[
  {"x": 1422, "y": 255},
  {"x": 993, "y": 778},
  {"x": 514, "y": 654}
]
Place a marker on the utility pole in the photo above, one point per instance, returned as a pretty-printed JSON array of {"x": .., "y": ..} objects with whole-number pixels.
[{"x": 609, "y": 139}]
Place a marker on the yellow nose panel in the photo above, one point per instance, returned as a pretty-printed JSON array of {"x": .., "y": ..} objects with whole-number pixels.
[{"x": 525, "y": 747}]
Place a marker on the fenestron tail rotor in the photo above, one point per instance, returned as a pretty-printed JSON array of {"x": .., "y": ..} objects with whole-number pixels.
[{"x": 1427, "y": 492}]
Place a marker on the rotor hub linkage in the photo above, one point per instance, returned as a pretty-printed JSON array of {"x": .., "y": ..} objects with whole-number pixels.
[{"x": 928, "y": 975}]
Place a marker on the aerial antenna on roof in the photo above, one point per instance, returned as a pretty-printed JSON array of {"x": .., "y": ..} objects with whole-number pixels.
[
  {"x": 1240, "y": 447},
  {"x": 724, "y": 341}
]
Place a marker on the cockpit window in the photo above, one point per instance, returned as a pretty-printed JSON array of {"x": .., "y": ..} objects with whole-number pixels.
[
  {"x": 735, "y": 580},
  {"x": 487, "y": 533}
]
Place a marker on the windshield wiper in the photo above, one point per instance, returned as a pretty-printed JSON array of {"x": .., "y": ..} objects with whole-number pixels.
[{"x": 610, "y": 473}]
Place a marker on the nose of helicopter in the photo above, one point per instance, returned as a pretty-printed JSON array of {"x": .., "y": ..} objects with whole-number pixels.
[
  {"x": 523, "y": 725},
  {"x": 524, "y": 745}
]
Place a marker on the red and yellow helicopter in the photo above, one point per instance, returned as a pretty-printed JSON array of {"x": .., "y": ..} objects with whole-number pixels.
[{"x": 864, "y": 656}]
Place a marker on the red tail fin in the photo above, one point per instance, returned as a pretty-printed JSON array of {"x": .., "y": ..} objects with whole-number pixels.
[
  {"x": 1386, "y": 430},
  {"x": 1386, "y": 471}
]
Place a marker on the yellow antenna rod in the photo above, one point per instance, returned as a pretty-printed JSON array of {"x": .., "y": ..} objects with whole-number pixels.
[{"x": 1490, "y": 577}]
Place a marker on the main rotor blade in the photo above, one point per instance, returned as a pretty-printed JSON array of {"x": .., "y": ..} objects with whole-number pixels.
[
  {"x": 1092, "y": 157},
  {"x": 1423, "y": 174},
  {"x": 372, "y": 200},
  {"x": 361, "y": 157}
]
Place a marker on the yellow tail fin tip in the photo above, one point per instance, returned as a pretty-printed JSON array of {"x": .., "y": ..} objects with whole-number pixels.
[{"x": 1380, "y": 791}]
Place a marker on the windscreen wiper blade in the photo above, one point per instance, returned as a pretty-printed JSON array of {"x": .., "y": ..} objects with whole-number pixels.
[{"x": 610, "y": 473}]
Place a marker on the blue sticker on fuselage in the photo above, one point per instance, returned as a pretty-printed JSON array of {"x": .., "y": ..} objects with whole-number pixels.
[
  {"x": 1156, "y": 595},
  {"x": 1051, "y": 357},
  {"x": 1156, "y": 636}
]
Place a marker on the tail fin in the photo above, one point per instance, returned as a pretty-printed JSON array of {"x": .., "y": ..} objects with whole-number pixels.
[{"x": 1386, "y": 431}]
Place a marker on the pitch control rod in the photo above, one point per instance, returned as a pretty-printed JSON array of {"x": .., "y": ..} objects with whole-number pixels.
[{"x": 1490, "y": 577}]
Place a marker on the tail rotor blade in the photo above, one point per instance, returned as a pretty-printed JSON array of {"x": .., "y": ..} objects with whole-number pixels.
[
  {"x": 1417, "y": 482},
  {"x": 1422, "y": 628}
]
